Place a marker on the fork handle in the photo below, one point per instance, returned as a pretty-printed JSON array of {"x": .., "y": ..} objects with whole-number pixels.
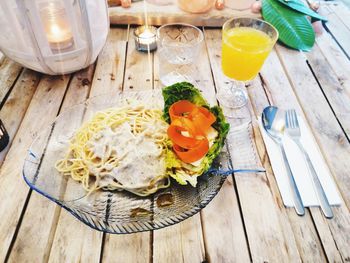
[
  {"x": 298, "y": 204},
  {"x": 321, "y": 196}
]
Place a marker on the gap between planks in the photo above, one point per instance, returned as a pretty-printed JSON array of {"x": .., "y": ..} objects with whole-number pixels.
[{"x": 15, "y": 246}]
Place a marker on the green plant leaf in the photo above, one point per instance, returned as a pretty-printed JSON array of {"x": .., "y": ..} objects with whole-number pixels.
[
  {"x": 300, "y": 7},
  {"x": 294, "y": 28}
]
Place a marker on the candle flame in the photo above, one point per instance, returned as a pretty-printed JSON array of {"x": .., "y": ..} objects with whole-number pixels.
[
  {"x": 55, "y": 29},
  {"x": 147, "y": 34}
]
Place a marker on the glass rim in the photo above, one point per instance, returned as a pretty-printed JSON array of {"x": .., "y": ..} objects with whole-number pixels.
[
  {"x": 152, "y": 29},
  {"x": 274, "y": 39},
  {"x": 199, "y": 40}
]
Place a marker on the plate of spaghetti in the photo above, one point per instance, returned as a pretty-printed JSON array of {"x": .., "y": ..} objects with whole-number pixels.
[{"x": 131, "y": 162}]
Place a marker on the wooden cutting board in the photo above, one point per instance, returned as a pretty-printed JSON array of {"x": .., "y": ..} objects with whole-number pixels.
[{"x": 159, "y": 15}]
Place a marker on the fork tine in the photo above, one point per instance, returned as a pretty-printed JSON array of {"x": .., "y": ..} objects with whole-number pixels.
[
  {"x": 288, "y": 119},
  {"x": 291, "y": 117},
  {"x": 295, "y": 117}
]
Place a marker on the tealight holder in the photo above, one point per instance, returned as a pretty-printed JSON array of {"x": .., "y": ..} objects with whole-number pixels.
[
  {"x": 145, "y": 38},
  {"x": 4, "y": 137},
  {"x": 53, "y": 36}
]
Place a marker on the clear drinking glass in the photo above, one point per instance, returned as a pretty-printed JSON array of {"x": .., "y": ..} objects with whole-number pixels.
[
  {"x": 246, "y": 43},
  {"x": 178, "y": 48}
]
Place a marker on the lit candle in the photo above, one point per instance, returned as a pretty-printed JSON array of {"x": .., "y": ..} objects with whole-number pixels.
[
  {"x": 145, "y": 38},
  {"x": 57, "y": 29},
  {"x": 59, "y": 38}
]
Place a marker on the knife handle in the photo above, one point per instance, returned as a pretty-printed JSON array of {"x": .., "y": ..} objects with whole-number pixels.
[
  {"x": 321, "y": 196},
  {"x": 298, "y": 204}
]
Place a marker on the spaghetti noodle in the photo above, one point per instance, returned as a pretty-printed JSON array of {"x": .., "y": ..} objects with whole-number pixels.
[{"x": 120, "y": 148}]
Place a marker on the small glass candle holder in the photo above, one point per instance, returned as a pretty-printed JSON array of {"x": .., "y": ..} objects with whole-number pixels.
[
  {"x": 57, "y": 28},
  {"x": 145, "y": 38},
  {"x": 4, "y": 137}
]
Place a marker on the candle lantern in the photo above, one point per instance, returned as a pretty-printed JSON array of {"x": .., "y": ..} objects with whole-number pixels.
[{"x": 53, "y": 36}]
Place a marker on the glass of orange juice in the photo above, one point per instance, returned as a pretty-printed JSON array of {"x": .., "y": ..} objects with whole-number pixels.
[{"x": 246, "y": 43}]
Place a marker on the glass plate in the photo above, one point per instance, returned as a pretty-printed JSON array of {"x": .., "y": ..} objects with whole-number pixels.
[{"x": 112, "y": 211}]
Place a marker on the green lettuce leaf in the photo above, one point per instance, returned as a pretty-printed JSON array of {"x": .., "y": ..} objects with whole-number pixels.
[{"x": 182, "y": 172}]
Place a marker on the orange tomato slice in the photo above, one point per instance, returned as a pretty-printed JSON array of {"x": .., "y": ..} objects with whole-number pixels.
[
  {"x": 193, "y": 154},
  {"x": 186, "y": 124},
  {"x": 174, "y": 133},
  {"x": 202, "y": 118},
  {"x": 181, "y": 108}
]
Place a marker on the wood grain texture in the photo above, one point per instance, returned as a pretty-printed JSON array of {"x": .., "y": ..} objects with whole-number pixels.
[
  {"x": 337, "y": 28},
  {"x": 127, "y": 248},
  {"x": 16, "y": 105},
  {"x": 13, "y": 190},
  {"x": 9, "y": 71},
  {"x": 182, "y": 242},
  {"x": 34, "y": 240},
  {"x": 336, "y": 81},
  {"x": 109, "y": 72},
  {"x": 160, "y": 15},
  {"x": 138, "y": 69},
  {"x": 327, "y": 132},
  {"x": 337, "y": 92},
  {"x": 341, "y": 10}
]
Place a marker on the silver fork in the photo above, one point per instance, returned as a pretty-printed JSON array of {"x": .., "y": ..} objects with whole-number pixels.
[{"x": 293, "y": 130}]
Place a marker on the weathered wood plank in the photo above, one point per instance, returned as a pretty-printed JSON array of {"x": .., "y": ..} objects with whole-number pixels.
[
  {"x": 341, "y": 10},
  {"x": 264, "y": 230},
  {"x": 160, "y": 15},
  {"x": 222, "y": 217},
  {"x": 13, "y": 190},
  {"x": 34, "y": 239},
  {"x": 16, "y": 105},
  {"x": 182, "y": 242},
  {"x": 328, "y": 134},
  {"x": 107, "y": 77},
  {"x": 337, "y": 93},
  {"x": 340, "y": 32},
  {"x": 138, "y": 69},
  {"x": 230, "y": 245},
  {"x": 335, "y": 81},
  {"x": 109, "y": 72},
  {"x": 127, "y": 248},
  {"x": 9, "y": 71}
]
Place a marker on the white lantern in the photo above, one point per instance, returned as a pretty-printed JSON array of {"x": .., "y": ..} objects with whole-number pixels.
[{"x": 53, "y": 36}]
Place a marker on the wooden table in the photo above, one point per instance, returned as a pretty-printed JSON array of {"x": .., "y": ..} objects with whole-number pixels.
[{"x": 247, "y": 220}]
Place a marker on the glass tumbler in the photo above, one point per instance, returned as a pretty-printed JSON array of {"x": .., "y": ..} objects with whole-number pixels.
[{"x": 178, "y": 48}]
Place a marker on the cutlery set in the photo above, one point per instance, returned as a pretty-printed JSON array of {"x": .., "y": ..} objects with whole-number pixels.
[{"x": 277, "y": 124}]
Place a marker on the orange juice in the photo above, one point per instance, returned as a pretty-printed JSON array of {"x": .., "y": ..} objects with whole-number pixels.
[{"x": 244, "y": 50}]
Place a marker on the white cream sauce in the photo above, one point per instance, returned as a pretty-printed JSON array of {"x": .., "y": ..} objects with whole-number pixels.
[{"x": 140, "y": 157}]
